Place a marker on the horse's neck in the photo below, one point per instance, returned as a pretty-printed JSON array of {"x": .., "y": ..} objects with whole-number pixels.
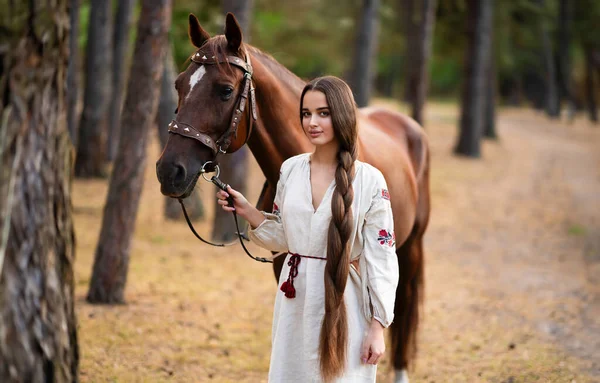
[{"x": 277, "y": 134}]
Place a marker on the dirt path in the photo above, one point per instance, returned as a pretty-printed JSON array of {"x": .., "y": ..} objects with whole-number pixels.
[
  {"x": 513, "y": 273},
  {"x": 523, "y": 228}
]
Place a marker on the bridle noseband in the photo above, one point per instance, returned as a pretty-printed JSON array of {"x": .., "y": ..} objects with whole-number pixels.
[{"x": 221, "y": 145}]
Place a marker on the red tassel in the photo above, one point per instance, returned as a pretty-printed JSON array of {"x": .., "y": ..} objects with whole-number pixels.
[
  {"x": 288, "y": 286},
  {"x": 288, "y": 289}
]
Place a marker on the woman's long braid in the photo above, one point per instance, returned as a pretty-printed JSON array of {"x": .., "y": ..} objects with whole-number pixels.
[
  {"x": 333, "y": 342},
  {"x": 334, "y": 331}
]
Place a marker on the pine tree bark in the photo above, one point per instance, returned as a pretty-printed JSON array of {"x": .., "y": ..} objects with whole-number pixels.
[
  {"x": 363, "y": 72},
  {"x": 552, "y": 102},
  {"x": 165, "y": 114},
  {"x": 489, "y": 121},
  {"x": 589, "y": 84},
  {"x": 38, "y": 338},
  {"x": 121, "y": 47},
  {"x": 111, "y": 260},
  {"x": 91, "y": 144},
  {"x": 73, "y": 71},
  {"x": 234, "y": 167},
  {"x": 420, "y": 81},
  {"x": 565, "y": 21},
  {"x": 476, "y": 62},
  {"x": 411, "y": 35}
]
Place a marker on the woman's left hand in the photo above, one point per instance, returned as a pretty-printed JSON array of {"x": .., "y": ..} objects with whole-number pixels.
[{"x": 374, "y": 344}]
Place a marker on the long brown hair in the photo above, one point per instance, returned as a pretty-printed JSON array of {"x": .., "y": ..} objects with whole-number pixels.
[{"x": 334, "y": 330}]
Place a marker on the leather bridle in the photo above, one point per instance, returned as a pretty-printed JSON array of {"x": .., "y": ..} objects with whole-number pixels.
[
  {"x": 221, "y": 145},
  {"x": 247, "y": 94}
]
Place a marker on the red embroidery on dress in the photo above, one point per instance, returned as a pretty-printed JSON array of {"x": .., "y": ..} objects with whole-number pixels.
[
  {"x": 275, "y": 209},
  {"x": 386, "y": 238},
  {"x": 385, "y": 194}
]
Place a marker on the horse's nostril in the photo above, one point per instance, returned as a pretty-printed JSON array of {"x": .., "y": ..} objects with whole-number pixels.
[{"x": 179, "y": 174}]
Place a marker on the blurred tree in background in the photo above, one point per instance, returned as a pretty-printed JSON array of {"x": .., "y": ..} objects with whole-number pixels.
[
  {"x": 477, "y": 64},
  {"x": 420, "y": 20},
  {"x": 121, "y": 47},
  {"x": 91, "y": 141},
  {"x": 111, "y": 260},
  {"x": 365, "y": 48}
]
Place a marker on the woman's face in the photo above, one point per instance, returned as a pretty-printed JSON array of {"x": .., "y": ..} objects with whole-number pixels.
[{"x": 316, "y": 118}]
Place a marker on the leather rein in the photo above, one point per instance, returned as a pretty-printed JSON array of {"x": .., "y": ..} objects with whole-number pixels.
[{"x": 221, "y": 145}]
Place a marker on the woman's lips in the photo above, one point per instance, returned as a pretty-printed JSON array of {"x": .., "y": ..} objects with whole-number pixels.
[{"x": 315, "y": 133}]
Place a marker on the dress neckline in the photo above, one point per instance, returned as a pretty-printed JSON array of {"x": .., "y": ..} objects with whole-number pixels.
[
  {"x": 307, "y": 158},
  {"x": 310, "y": 192}
]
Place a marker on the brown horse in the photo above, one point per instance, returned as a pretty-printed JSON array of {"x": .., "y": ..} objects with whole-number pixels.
[{"x": 209, "y": 94}]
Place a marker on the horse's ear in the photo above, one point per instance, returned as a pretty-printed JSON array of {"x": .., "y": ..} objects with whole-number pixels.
[
  {"x": 198, "y": 36},
  {"x": 233, "y": 32}
]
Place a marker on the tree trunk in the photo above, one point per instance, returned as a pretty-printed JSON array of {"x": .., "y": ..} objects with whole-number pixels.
[
  {"x": 73, "y": 71},
  {"x": 489, "y": 120},
  {"x": 234, "y": 170},
  {"x": 91, "y": 143},
  {"x": 165, "y": 114},
  {"x": 112, "y": 254},
  {"x": 411, "y": 36},
  {"x": 589, "y": 85},
  {"x": 234, "y": 167},
  {"x": 565, "y": 20},
  {"x": 423, "y": 51},
  {"x": 121, "y": 47},
  {"x": 242, "y": 10},
  {"x": 552, "y": 101},
  {"x": 38, "y": 337},
  {"x": 476, "y": 64},
  {"x": 364, "y": 53}
]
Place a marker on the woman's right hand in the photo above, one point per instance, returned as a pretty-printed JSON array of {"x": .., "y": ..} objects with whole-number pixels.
[
  {"x": 241, "y": 206},
  {"x": 240, "y": 203}
]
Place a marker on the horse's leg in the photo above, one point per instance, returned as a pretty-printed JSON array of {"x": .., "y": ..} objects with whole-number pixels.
[
  {"x": 407, "y": 309},
  {"x": 278, "y": 265},
  {"x": 265, "y": 203},
  {"x": 409, "y": 294}
]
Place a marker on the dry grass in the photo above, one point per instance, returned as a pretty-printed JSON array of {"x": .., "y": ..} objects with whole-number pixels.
[{"x": 512, "y": 272}]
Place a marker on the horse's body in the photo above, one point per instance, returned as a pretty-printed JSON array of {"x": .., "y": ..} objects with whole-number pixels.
[{"x": 388, "y": 140}]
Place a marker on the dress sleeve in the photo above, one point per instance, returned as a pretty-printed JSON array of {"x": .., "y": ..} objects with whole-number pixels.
[
  {"x": 379, "y": 260},
  {"x": 270, "y": 234}
]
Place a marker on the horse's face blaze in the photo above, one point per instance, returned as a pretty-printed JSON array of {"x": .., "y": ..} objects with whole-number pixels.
[{"x": 207, "y": 98}]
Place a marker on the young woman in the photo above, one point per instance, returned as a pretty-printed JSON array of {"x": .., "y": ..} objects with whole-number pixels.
[{"x": 332, "y": 217}]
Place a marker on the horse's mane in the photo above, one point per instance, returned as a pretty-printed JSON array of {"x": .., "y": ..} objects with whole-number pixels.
[
  {"x": 283, "y": 73},
  {"x": 217, "y": 46}
]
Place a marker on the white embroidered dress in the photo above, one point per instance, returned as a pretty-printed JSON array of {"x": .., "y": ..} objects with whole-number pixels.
[{"x": 297, "y": 228}]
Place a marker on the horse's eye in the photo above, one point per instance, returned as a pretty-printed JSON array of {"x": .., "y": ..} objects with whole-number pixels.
[{"x": 226, "y": 93}]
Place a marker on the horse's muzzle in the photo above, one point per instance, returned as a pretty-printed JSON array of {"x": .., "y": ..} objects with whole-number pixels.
[{"x": 173, "y": 179}]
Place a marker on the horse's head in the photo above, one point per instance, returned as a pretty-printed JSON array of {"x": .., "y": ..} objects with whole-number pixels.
[{"x": 215, "y": 108}]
